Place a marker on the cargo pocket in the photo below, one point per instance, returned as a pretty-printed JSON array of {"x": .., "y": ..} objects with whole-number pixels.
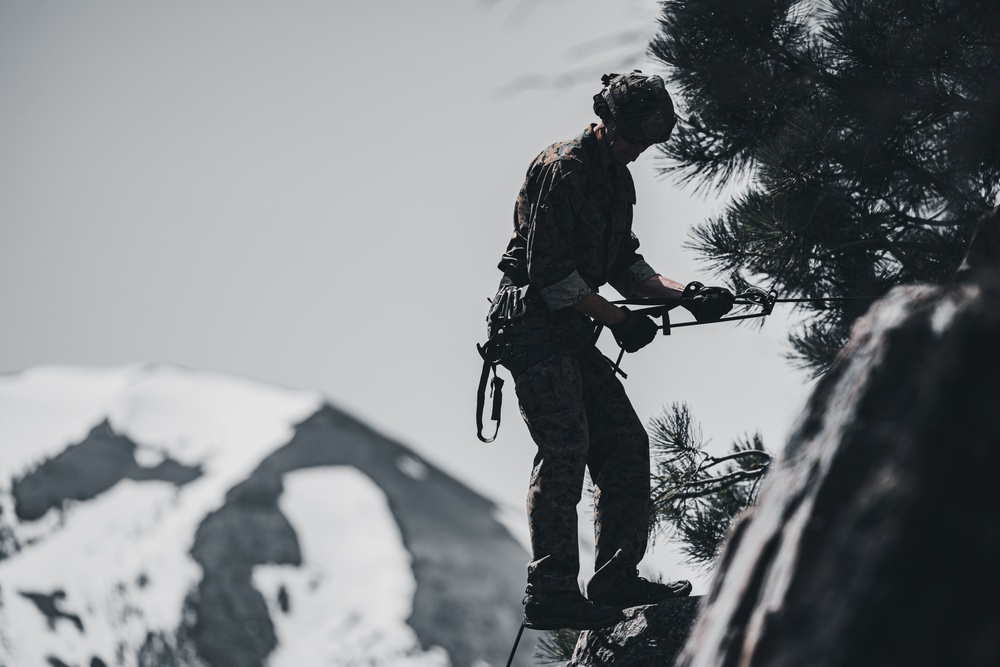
[{"x": 549, "y": 387}]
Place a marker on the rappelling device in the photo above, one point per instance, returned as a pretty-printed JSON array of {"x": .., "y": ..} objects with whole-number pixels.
[{"x": 751, "y": 297}]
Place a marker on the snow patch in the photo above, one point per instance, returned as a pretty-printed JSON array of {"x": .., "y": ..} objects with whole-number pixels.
[
  {"x": 122, "y": 558},
  {"x": 122, "y": 564},
  {"x": 412, "y": 468},
  {"x": 349, "y": 601},
  {"x": 149, "y": 457},
  {"x": 195, "y": 417},
  {"x": 942, "y": 316},
  {"x": 46, "y": 408}
]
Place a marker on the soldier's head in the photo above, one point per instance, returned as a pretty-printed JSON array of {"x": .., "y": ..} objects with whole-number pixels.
[{"x": 636, "y": 108}]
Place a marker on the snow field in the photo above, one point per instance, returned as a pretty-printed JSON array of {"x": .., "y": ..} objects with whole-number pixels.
[
  {"x": 122, "y": 558},
  {"x": 349, "y": 601}
]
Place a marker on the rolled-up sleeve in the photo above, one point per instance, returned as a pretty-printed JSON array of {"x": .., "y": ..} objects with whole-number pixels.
[
  {"x": 566, "y": 292},
  {"x": 634, "y": 275}
]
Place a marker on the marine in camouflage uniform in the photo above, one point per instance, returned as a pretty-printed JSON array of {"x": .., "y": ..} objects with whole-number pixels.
[{"x": 572, "y": 235}]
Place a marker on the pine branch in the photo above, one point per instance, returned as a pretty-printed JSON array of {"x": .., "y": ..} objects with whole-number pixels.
[
  {"x": 706, "y": 487},
  {"x": 556, "y": 646},
  {"x": 691, "y": 501}
]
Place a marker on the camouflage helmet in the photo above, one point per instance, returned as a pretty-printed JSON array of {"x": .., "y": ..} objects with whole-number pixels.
[{"x": 638, "y": 104}]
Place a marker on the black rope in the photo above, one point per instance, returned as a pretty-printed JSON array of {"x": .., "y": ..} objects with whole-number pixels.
[
  {"x": 752, "y": 296},
  {"x": 828, "y": 298}
]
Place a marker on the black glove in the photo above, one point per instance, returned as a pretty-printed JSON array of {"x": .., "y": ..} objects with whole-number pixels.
[
  {"x": 635, "y": 332},
  {"x": 707, "y": 304}
]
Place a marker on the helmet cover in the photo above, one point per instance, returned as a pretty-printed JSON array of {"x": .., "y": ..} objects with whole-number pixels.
[{"x": 639, "y": 105}]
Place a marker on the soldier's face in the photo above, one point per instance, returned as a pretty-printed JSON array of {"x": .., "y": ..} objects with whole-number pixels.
[{"x": 624, "y": 151}]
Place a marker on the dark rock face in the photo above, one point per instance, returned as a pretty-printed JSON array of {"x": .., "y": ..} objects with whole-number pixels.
[
  {"x": 652, "y": 635},
  {"x": 87, "y": 469},
  {"x": 49, "y": 605},
  {"x": 876, "y": 540}
]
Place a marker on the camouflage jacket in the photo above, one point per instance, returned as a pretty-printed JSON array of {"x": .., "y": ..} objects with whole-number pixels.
[{"x": 572, "y": 233}]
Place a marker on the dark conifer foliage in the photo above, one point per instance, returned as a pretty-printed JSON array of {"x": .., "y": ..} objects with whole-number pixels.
[
  {"x": 556, "y": 646},
  {"x": 697, "y": 495},
  {"x": 864, "y": 134}
]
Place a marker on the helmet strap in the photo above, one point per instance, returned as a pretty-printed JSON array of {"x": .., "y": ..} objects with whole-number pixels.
[{"x": 611, "y": 134}]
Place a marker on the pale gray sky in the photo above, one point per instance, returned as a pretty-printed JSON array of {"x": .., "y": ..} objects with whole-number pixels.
[{"x": 316, "y": 194}]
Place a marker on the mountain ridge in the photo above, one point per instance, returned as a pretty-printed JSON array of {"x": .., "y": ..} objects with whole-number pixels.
[{"x": 158, "y": 441}]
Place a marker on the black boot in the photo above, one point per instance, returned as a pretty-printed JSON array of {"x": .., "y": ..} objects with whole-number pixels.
[
  {"x": 567, "y": 609},
  {"x": 634, "y": 591},
  {"x": 616, "y": 585}
]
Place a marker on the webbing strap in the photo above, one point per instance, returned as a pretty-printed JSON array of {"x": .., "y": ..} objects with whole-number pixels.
[
  {"x": 493, "y": 352},
  {"x": 496, "y": 391}
]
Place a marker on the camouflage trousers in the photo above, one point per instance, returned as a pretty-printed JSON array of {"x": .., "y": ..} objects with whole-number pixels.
[{"x": 580, "y": 418}]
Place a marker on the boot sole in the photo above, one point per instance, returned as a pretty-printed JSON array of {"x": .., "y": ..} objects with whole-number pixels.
[
  {"x": 628, "y": 604},
  {"x": 571, "y": 624}
]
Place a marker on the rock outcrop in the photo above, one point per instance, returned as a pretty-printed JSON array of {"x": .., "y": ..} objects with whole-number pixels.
[
  {"x": 650, "y": 635},
  {"x": 876, "y": 541}
]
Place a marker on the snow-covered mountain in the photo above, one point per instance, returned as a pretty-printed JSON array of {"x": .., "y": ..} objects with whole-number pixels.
[{"x": 155, "y": 515}]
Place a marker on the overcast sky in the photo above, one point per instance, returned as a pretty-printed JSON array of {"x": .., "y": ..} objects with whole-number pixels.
[{"x": 316, "y": 194}]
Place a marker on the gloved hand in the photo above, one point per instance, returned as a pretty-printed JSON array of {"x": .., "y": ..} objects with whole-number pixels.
[
  {"x": 707, "y": 304},
  {"x": 635, "y": 332}
]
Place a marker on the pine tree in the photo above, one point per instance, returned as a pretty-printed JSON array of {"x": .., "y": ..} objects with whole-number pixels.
[
  {"x": 696, "y": 496},
  {"x": 861, "y": 139}
]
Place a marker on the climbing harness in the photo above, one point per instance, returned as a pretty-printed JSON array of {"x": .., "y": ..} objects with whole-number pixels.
[
  {"x": 496, "y": 351},
  {"x": 508, "y": 307}
]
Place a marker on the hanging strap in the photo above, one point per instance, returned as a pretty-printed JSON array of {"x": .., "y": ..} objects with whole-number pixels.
[
  {"x": 490, "y": 354},
  {"x": 494, "y": 352}
]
